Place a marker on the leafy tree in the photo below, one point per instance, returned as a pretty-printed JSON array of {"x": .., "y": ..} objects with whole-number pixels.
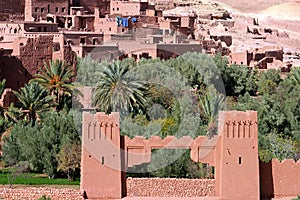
[
  {"x": 239, "y": 80},
  {"x": 220, "y": 62},
  {"x": 176, "y": 163},
  {"x": 277, "y": 147},
  {"x": 295, "y": 75},
  {"x": 33, "y": 99},
  {"x": 56, "y": 77},
  {"x": 268, "y": 81},
  {"x": 297, "y": 198},
  {"x": 69, "y": 159},
  {"x": 198, "y": 69},
  {"x": 119, "y": 90},
  {"x": 41, "y": 143},
  {"x": 89, "y": 71},
  {"x": 158, "y": 94},
  {"x": 8, "y": 116},
  {"x": 2, "y": 86}
]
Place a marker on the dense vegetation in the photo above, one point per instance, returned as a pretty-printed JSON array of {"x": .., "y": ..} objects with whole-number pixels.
[{"x": 180, "y": 96}]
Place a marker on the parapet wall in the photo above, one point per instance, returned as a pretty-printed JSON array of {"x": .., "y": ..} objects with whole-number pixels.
[
  {"x": 170, "y": 187},
  {"x": 280, "y": 179},
  {"x": 138, "y": 149}
]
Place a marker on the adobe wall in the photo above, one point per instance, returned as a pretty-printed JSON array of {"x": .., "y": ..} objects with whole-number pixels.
[
  {"x": 239, "y": 58},
  {"x": 101, "y": 158},
  {"x": 237, "y": 164},
  {"x": 138, "y": 149},
  {"x": 12, "y": 70},
  {"x": 35, "y": 52},
  {"x": 70, "y": 57},
  {"x": 40, "y": 8},
  {"x": 15, "y": 8},
  {"x": 90, "y": 5},
  {"x": 280, "y": 179},
  {"x": 124, "y": 8},
  {"x": 234, "y": 153},
  {"x": 37, "y": 192},
  {"x": 170, "y": 187},
  {"x": 7, "y": 98},
  {"x": 169, "y": 50}
]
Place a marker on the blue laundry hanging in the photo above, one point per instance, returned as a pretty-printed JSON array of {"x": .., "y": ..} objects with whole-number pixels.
[
  {"x": 125, "y": 22},
  {"x": 134, "y": 20}
]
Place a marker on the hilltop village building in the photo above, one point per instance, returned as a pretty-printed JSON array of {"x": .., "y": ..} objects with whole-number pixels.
[{"x": 35, "y": 31}]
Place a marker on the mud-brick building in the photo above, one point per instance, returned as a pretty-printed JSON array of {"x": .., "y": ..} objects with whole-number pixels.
[{"x": 12, "y": 10}]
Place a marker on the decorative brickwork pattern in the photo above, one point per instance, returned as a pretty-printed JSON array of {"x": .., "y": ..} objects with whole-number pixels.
[
  {"x": 34, "y": 193},
  {"x": 170, "y": 187}
]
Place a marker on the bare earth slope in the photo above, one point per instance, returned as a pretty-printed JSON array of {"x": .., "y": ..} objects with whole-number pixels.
[
  {"x": 284, "y": 11},
  {"x": 252, "y": 6}
]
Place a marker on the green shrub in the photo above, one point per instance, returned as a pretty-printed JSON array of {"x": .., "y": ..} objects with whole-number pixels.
[
  {"x": 297, "y": 198},
  {"x": 40, "y": 144},
  {"x": 44, "y": 197}
]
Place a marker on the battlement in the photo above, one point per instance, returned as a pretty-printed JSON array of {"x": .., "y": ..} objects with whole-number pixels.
[
  {"x": 138, "y": 149},
  {"x": 101, "y": 126},
  {"x": 280, "y": 179},
  {"x": 233, "y": 152},
  {"x": 238, "y": 124}
]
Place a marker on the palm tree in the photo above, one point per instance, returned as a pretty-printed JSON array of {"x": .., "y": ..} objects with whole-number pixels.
[
  {"x": 295, "y": 75},
  {"x": 119, "y": 90},
  {"x": 8, "y": 115},
  {"x": 2, "y": 86},
  {"x": 57, "y": 79},
  {"x": 211, "y": 102},
  {"x": 34, "y": 99}
]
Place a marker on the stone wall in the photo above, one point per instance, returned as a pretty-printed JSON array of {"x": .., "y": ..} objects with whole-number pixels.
[
  {"x": 170, "y": 187},
  {"x": 37, "y": 192}
]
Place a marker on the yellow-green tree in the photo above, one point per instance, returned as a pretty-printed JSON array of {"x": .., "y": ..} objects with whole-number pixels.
[{"x": 69, "y": 159}]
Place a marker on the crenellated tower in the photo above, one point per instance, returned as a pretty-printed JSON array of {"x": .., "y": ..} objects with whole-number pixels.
[
  {"x": 237, "y": 174},
  {"x": 101, "y": 163}
]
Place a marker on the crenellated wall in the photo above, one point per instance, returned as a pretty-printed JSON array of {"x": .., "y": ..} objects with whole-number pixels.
[
  {"x": 138, "y": 149},
  {"x": 106, "y": 154},
  {"x": 280, "y": 179}
]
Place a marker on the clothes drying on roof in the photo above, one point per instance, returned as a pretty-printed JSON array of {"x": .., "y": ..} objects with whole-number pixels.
[{"x": 134, "y": 20}]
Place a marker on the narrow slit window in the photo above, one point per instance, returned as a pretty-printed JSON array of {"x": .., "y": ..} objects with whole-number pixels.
[{"x": 240, "y": 160}]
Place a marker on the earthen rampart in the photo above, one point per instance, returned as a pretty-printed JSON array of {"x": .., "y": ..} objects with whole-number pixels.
[{"x": 280, "y": 179}]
